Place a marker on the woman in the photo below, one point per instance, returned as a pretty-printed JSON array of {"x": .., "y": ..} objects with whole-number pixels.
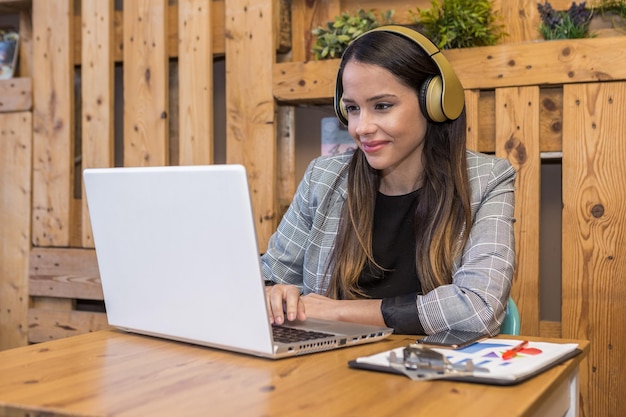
[{"x": 410, "y": 230}]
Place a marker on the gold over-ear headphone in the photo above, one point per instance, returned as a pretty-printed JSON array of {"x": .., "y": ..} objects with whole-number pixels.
[{"x": 441, "y": 96}]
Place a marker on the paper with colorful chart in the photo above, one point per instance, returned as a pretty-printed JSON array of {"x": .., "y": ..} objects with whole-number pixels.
[{"x": 487, "y": 355}]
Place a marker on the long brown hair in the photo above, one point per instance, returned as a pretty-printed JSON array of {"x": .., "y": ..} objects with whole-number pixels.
[{"x": 443, "y": 213}]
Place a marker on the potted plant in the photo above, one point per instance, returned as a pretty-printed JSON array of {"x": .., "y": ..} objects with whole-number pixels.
[
  {"x": 459, "y": 23},
  {"x": 334, "y": 39},
  {"x": 572, "y": 23}
]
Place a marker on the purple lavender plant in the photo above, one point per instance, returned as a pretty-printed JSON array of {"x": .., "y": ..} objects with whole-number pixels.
[{"x": 570, "y": 24}]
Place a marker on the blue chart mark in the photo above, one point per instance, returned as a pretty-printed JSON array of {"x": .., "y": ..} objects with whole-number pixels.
[
  {"x": 477, "y": 347},
  {"x": 488, "y": 347}
]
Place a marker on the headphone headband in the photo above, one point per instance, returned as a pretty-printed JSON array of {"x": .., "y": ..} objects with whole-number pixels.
[{"x": 442, "y": 97}]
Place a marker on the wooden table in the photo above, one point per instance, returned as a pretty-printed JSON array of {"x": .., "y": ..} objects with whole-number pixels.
[{"x": 112, "y": 373}]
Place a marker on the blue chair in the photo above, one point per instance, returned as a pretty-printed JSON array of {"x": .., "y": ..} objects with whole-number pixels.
[{"x": 511, "y": 322}]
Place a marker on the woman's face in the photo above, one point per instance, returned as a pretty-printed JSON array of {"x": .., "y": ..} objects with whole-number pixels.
[{"x": 386, "y": 122}]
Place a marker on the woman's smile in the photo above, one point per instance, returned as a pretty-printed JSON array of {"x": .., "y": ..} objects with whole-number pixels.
[{"x": 373, "y": 146}]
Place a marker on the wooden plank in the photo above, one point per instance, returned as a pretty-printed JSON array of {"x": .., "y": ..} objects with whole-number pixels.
[
  {"x": 16, "y": 94},
  {"x": 540, "y": 63},
  {"x": 64, "y": 273},
  {"x": 15, "y": 212},
  {"x": 305, "y": 82},
  {"x": 173, "y": 109},
  {"x": 551, "y": 119},
  {"x": 488, "y": 67},
  {"x": 98, "y": 96},
  {"x": 400, "y": 7},
  {"x": 286, "y": 151},
  {"x": 53, "y": 112},
  {"x": 195, "y": 70},
  {"x": 487, "y": 121},
  {"x": 306, "y": 16},
  {"x": 520, "y": 18},
  {"x": 48, "y": 324},
  {"x": 471, "y": 110},
  {"x": 594, "y": 238},
  {"x": 286, "y": 154},
  {"x": 284, "y": 34},
  {"x": 250, "y": 107},
  {"x": 215, "y": 8},
  {"x": 145, "y": 83},
  {"x": 517, "y": 138},
  {"x": 58, "y": 279}
]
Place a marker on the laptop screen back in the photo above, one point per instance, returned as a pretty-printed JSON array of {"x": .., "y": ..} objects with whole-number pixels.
[{"x": 177, "y": 253}]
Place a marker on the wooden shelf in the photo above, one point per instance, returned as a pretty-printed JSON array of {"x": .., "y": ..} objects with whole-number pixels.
[
  {"x": 530, "y": 63},
  {"x": 16, "y": 94}
]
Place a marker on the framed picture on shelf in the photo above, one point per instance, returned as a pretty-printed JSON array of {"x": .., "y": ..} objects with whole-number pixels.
[
  {"x": 9, "y": 40},
  {"x": 335, "y": 137}
]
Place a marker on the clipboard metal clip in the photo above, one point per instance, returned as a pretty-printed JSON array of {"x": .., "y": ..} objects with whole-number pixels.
[{"x": 422, "y": 363}]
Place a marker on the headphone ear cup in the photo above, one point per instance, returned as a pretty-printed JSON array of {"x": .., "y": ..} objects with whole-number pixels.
[
  {"x": 340, "y": 109},
  {"x": 344, "y": 111},
  {"x": 430, "y": 98}
]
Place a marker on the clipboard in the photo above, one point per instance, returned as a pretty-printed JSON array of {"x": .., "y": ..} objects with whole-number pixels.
[{"x": 481, "y": 362}]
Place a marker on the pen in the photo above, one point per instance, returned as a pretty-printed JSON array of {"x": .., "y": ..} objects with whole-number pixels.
[{"x": 513, "y": 351}]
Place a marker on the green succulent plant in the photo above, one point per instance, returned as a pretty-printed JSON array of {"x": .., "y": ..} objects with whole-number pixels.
[
  {"x": 459, "y": 23},
  {"x": 335, "y": 38}
]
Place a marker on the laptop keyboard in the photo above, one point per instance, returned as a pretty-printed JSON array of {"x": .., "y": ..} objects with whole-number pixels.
[{"x": 289, "y": 334}]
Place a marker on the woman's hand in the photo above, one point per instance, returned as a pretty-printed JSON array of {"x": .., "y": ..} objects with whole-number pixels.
[
  {"x": 284, "y": 300},
  {"x": 322, "y": 307}
]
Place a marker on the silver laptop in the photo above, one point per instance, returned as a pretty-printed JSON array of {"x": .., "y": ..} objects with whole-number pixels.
[{"x": 178, "y": 259}]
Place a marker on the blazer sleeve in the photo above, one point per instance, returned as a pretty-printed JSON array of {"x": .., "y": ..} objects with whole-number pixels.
[
  {"x": 283, "y": 262},
  {"x": 481, "y": 283}
]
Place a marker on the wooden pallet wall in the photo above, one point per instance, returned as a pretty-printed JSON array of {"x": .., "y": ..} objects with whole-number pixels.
[
  {"x": 167, "y": 50},
  {"x": 88, "y": 42}
]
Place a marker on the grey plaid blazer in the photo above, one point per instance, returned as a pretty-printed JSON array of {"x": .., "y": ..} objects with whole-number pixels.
[{"x": 476, "y": 300}]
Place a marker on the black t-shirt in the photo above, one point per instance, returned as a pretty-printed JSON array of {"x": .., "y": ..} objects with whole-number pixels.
[{"x": 393, "y": 245}]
